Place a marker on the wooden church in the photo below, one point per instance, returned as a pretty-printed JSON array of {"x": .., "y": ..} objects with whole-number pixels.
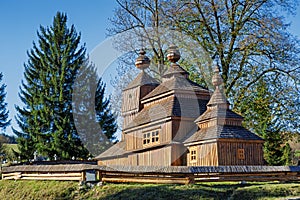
[{"x": 178, "y": 123}]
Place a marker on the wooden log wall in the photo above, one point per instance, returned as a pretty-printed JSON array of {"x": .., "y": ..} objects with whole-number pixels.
[
  {"x": 178, "y": 157},
  {"x": 115, "y": 161},
  {"x": 228, "y": 153},
  {"x": 131, "y": 99},
  {"x": 151, "y": 157},
  {"x": 134, "y": 139},
  {"x": 155, "y": 157}
]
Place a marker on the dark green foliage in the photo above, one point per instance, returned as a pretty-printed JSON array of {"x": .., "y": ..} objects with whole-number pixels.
[
  {"x": 104, "y": 116},
  {"x": 258, "y": 111},
  {"x": 93, "y": 118},
  {"x": 4, "y": 121},
  {"x": 286, "y": 157},
  {"x": 272, "y": 147},
  {"x": 276, "y": 151},
  {"x": 255, "y": 107},
  {"x": 46, "y": 120},
  {"x": 56, "y": 69}
]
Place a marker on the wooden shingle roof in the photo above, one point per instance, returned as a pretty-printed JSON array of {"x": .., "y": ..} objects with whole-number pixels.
[
  {"x": 222, "y": 132},
  {"x": 175, "y": 69},
  {"x": 176, "y": 83},
  {"x": 217, "y": 97},
  {"x": 116, "y": 150},
  {"x": 218, "y": 121},
  {"x": 170, "y": 107},
  {"x": 142, "y": 79},
  {"x": 151, "y": 169},
  {"x": 200, "y": 169},
  {"x": 48, "y": 168},
  {"x": 218, "y": 113}
]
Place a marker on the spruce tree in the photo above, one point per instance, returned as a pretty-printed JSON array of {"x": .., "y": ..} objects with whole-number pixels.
[
  {"x": 286, "y": 158},
  {"x": 273, "y": 151},
  {"x": 46, "y": 120},
  {"x": 4, "y": 121},
  {"x": 94, "y": 120},
  {"x": 104, "y": 116}
]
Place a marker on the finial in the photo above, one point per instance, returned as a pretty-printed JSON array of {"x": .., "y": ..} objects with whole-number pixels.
[
  {"x": 142, "y": 62},
  {"x": 217, "y": 79},
  {"x": 173, "y": 54}
]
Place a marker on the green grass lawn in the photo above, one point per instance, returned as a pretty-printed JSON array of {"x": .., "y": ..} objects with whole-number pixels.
[{"x": 71, "y": 190}]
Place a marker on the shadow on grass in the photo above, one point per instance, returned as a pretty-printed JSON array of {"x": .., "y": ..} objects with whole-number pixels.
[
  {"x": 197, "y": 191},
  {"x": 188, "y": 192}
]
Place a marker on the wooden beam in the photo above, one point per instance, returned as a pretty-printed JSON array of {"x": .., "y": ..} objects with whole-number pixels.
[
  {"x": 52, "y": 174},
  {"x": 147, "y": 180},
  {"x": 52, "y": 178}
]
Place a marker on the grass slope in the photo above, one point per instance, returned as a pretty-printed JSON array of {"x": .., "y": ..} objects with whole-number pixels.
[{"x": 71, "y": 190}]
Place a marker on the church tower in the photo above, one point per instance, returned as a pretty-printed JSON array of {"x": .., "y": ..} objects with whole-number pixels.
[
  {"x": 137, "y": 89},
  {"x": 220, "y": 139}
]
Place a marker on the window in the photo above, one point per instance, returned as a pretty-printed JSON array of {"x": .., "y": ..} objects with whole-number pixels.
[
  {"x": 146, "y": 139},
  {"x": 155, "y": 136},
  {"x": 193, "y": 154},
  {"x": 151, "y": 137},
  {"x": 241, "y": 154}
]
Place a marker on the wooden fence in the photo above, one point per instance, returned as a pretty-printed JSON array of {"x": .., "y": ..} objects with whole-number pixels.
[
  {"x": 66, "y": 172},
  {"x": 187, "y": 175},
  {"x": 151, "y": 174}
]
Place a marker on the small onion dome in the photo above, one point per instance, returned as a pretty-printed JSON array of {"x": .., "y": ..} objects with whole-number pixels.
[
  {"x": 142, "y": 62},
  {"x": 173, "y": 54},
  {"x": 217, "y": 79}
]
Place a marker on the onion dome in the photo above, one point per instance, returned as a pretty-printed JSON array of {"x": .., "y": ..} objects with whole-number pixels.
[
  {"x": 173, "y": 54},
  {"x": 174, "y": 69},
  {"x": 142, "y": 62},
  {"x": 217, "y": 79},
  {"x": 218, "y": 97}
]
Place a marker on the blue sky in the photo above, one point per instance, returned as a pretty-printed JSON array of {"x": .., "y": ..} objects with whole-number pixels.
[{"x": 20, "y": 21}]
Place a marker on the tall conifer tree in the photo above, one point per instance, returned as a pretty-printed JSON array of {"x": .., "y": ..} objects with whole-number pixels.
[
  {"x": 4, "y": 121},
  {"x": 104, "y": 116},
  {"x": 46, "y": 119},
  {"x": 93, "y": 118},
  {"x": 56, "y": 67}
]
